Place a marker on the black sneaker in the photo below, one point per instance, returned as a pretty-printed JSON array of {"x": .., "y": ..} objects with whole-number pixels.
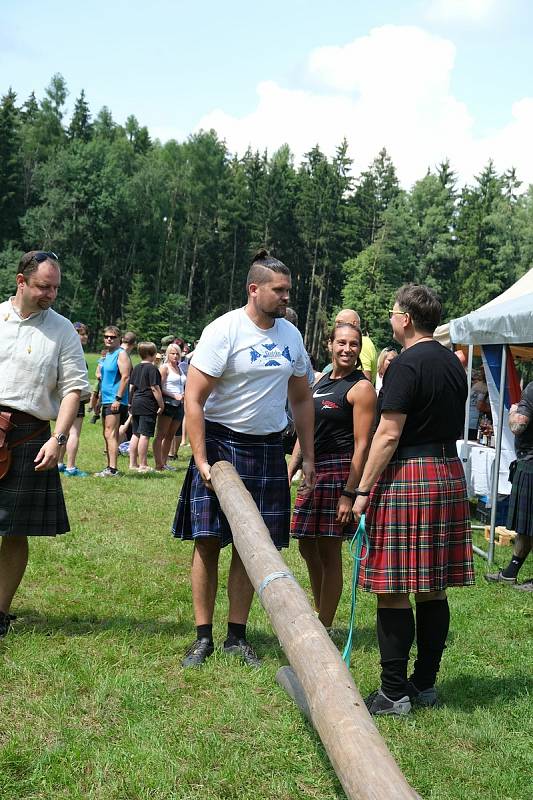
[
  {"x": 5, "y": 622},
  {"x": 198, "y": 652},
  {"x": 424, "y": 697},
  {"x": 378, "y": 704},
  {"x": 498, "y": 577},
  {"x": 242, "y": 648}
]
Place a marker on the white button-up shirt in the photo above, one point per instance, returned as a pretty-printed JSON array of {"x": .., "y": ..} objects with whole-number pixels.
[{"x": 41, "y": 360}]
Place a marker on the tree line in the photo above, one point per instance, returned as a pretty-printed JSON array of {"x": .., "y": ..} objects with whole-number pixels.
[{"x": 159, "y": 237}]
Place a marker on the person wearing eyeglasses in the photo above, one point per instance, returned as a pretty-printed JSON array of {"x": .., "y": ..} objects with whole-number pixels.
[
  {"x": 42, "y": 377},
  {"x": 414, "y": 494},
  {"x": 115, "y": 375}
]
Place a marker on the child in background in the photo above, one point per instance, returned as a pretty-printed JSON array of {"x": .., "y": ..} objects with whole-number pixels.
[{"x": 146, "y": 402}]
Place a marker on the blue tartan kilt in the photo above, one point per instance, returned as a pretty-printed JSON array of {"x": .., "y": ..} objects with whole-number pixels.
[
  {"x": 260, "y": 463},
  {"x": 31, "y": 503},
  {"x": 520, "y": 514}
]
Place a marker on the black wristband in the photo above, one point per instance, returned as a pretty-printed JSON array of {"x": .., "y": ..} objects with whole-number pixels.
[
  {"x": 359, "y": 493},
  {"x": 118, "y": 399},
  {"x": 346, "y": 493}
]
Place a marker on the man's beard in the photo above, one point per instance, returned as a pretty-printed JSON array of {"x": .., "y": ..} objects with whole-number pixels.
[{"x": 278, "y": 314}]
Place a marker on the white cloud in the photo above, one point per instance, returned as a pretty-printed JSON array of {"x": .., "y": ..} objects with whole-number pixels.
[
  {"x": 461, "y": 10},
  {"x": 390, "y": 88}
]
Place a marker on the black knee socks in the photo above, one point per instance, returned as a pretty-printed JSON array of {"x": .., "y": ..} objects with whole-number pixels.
[
  {"x": 396, "y": 633},
  {"x": 236, "y": 631},
  {"x": 432, "y": 625},
  {"x": 513, "y": 567},
  {"x": 204, "y": 632}
]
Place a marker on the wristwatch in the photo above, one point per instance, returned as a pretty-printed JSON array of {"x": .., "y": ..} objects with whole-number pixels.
[{"x": 61, "y": 438}]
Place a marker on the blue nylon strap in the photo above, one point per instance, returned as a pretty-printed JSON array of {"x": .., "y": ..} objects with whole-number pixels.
[{"x": 359, "y": 540}]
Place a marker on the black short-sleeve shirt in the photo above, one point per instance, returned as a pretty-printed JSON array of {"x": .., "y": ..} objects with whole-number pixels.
[
  {"x": 143, "y": 377},
  {"x": 524, "y": 441},
  {"x": 427, "y": 383}
]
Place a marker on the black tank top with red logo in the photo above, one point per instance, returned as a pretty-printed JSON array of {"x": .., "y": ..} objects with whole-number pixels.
[{"x": 334, "y": 414}]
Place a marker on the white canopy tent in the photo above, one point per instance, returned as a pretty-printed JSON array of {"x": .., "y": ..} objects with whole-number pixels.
[{"x": 505, "y": 320}]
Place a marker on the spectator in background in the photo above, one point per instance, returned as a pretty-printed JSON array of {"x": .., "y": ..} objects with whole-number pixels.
[
  {"x": 115, "y": 374},
  {"x": 520, "y": 516},
  {"x": 128, "y": 342},
  {"x": 146, "y": 403},
  {"x": 170, "y": 420},
  {"x": 384, "y": 359},
  {"x": 70, "y": 470}
]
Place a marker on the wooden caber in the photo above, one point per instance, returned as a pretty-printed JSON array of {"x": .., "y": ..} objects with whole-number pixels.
[{"x": 359, "y": 756}]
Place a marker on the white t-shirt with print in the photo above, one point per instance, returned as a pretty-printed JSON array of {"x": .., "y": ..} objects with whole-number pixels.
[{"x": 253, "y": 367}]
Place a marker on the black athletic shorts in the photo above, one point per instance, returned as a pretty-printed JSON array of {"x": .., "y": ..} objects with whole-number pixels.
[
  {"x": 143, "y": 424},
  {"x": 123, "y": 411}
]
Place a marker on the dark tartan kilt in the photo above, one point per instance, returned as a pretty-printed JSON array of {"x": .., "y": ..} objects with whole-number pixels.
[
  {"x": 418, "y": 525},
  {"x": 260, "y": 462},
  {"x": 31, "y": 503},
  {"x": 520, "y": 514},
  {"x": 315, "y": 513}
]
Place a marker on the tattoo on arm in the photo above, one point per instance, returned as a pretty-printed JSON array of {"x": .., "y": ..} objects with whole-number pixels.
[{"x": 518, "y": 423}]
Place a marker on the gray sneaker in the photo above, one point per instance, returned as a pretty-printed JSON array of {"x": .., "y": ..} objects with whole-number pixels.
[
  {"x": 378, "y": 704},
  {"x": 106, "y": 473},
  {"x": 498, "y": 577},
  {"x": 426, "y": 697}
]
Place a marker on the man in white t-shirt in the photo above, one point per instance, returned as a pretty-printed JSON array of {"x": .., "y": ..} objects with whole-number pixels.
[{"x": 245, "y": 365}]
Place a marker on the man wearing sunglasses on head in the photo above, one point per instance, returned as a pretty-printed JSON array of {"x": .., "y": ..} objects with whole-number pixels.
[
  {"x": 115, "y": 375},
  {"x": 42, "y": 377}
]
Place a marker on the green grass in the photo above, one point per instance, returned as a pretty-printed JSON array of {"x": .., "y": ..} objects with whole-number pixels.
[{"x": 94, "y": 703}]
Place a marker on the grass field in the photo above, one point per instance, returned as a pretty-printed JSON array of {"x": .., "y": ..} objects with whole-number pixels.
[{"x": 94, "y": 703}]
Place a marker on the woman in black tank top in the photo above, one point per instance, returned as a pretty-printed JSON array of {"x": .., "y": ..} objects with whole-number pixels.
[{"x": 345, "y": 403}]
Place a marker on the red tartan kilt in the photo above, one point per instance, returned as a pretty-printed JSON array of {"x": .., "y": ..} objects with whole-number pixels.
[
  {"x": 315, "y": 513},
  {"x": 418, "y": 525}
]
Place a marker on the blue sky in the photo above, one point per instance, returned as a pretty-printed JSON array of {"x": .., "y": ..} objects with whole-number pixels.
[{"x": 425, "y": 78}]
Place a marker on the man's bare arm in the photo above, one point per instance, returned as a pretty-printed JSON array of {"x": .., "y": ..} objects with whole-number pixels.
[
  {"x": 47, "y": 456},
  {"x": 303, "y": 412},
  {"x": 197, "y": 389},
  {"x": 517, "y": 422}
]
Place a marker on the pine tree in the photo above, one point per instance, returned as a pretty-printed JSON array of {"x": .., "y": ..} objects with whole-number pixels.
[
  {"x": 80, "y": 125},
  {"x": 11, "y": 184}
]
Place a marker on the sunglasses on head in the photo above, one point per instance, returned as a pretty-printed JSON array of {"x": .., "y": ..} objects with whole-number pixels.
[{"x": 43, "y": 255}]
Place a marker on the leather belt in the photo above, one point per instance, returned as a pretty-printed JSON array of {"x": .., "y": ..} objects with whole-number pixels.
[
  {"x": 427, "y": 450},
  {"x": 21, "y": 417}
]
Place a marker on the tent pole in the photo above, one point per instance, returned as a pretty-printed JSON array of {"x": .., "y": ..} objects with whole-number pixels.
[
  {"x": 469, "y": 379},
  {"x": 498, "y": 446}
]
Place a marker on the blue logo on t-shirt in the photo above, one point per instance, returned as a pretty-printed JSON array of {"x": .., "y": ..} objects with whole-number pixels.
[{"x": 270, "y": 355}]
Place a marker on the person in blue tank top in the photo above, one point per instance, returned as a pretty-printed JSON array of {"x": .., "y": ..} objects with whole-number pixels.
[
  {"x": 115, "y": 374},
  {"x": 345, "y": 403}
]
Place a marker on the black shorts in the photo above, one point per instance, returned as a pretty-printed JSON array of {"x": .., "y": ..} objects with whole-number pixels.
[
  {"x": 174, "y": 412},
  {"x": 123, "y": 411},
  {"x": 143, "y": 424},
  {"x": 81, "y": 410}
]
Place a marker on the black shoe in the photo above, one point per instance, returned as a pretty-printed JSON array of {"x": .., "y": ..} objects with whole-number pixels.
[
  {"x": 379, "y": 704},
  {"x": 198, "y": 652},
  {"x": 5, "y": 622},
  {"x": 424, "y": 697},
  {"x": 240, "y": 647},
  {"x": 498, "y": 577}
]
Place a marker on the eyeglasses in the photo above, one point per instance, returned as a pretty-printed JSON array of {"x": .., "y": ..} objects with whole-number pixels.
[
  {"x": 106, "y": 336},
  {"x": 43, "y": 255},
  {"x": 392, "y": 312}
]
